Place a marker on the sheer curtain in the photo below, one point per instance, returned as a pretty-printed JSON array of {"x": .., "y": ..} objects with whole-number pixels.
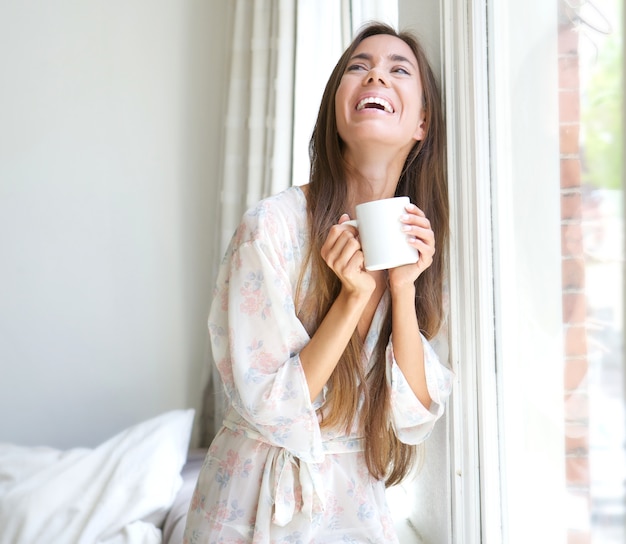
[
  {"x": 278, "y": 68},
  {"x": 259, "y": 112},
  {"x": 258, "y": 131}
]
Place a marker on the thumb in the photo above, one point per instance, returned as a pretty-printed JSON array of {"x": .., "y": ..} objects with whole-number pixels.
[{"x": 344, "y": 217}]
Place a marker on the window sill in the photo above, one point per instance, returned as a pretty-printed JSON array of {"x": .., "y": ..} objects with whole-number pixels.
[{"x": 406, "y": 532}]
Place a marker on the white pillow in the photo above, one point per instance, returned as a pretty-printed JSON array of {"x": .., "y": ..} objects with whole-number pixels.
[{"x": 117, "y": 493}]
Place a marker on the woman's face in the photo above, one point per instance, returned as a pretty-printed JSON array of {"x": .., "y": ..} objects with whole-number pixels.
[{"x": 379, "y": 98}]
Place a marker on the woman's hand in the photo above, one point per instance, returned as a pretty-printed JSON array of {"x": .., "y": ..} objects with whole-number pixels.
[
  {"x": 421, "y": 236},
  {"x": 343, "y": 254}
]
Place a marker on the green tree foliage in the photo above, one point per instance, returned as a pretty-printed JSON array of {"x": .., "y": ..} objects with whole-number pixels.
[{"x": 601, "y": 116}]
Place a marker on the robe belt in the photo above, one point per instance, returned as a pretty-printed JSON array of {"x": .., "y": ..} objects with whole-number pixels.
[{"x": 285, "y": 471}]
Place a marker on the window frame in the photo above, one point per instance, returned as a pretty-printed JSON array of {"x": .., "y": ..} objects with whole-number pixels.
[
  {"x": 496, "y": 344},
  {"x": 476, "y": 512}
]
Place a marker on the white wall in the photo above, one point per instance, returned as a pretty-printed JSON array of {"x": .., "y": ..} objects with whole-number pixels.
[
  {"x": 423, "y": 18},
  {"x": 110, "y": 130}
]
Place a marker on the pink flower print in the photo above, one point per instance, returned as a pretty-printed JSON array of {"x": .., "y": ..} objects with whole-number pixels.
[
  {"x": 241, "y": 234},
  {"x": 237, "y": 261},
  {"x": 358, "y": 493},
  {"x": 270, "y": 225},
  {"x": 233, "y": 465},
  {"x": 388, "y": 526},
  {"x": 219, "y": 514},
  {"x": 326, "y": 467},
  {"x": 282, "y": 430},
  {"x": 253, "y": 299},
  {"x": 297, "y": 496},
  {"x": 197, "y": 501},
  {"x": 362, "y": 471},
  {"x": 238, "y": 236},
  {"x": 262, "y": 363},
  {"x": 333, "y": 511},
  {"x": 225, "y": 513},
  {"x": 225, "y": 368},
  {"x": 223, "y": 297}
]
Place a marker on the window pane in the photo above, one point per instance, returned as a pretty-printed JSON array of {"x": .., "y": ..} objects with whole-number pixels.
[{"x": 590, "y": 74}]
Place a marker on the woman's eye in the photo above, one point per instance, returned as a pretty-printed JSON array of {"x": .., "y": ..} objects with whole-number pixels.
[
  {"x": 355, "y": 67},
  {"x": 401, "y": 70}
]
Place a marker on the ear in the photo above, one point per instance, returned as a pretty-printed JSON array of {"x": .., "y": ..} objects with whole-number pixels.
[{"x": 420, "y": 132}]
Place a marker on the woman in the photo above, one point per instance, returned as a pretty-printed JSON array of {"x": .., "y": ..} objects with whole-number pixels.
[{"x": 327, "y": 367}]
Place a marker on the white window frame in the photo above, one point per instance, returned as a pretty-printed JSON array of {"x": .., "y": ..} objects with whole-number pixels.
[
  {"x": 475, "y": 456},
  {"x": 500, "y": 70}
]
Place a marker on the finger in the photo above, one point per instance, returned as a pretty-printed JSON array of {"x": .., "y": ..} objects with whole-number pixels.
[
  {"x": 347, "y": 247},
  {"x": 424, "y": 242},
  {"x": 340, "y": 252},
  {"x": 335, "y": 233},
  {"x": 355, "y": 263},
  {"x": 414, "y": 210},
  {"x": 417, "y": 220},
  {"x": 342, "y": 222},
  {"x": 426, "y": 253},
  {"x": 417, "y": 233},
  {"x": 344, "y": 217}
]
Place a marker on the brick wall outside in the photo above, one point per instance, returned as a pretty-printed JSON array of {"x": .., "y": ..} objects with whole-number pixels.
[{"x": 573, "y": 275}]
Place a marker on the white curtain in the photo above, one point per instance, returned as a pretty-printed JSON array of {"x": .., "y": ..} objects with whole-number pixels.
[
  {"x": 259, "y": 113},
  {"x": 258, "y": 130},
  {"x": 280, "y": 49},
  {"x": 362, "y": 11}
]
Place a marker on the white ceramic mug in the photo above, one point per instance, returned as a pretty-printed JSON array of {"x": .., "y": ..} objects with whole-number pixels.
[{"x": 380, "y": 231}]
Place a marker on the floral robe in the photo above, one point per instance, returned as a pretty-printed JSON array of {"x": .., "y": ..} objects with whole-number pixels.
[{"x": 272, "y": 475}]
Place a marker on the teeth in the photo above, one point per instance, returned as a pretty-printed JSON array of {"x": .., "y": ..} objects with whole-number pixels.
[{"x": 374, "y": 100}]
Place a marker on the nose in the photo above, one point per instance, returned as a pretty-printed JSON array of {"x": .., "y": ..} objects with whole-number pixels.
[{"x": 376, "y": 75}]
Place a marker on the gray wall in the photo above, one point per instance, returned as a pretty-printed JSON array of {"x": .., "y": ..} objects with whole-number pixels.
[
  {"x": 110, "y": 116},
  {"x": 423, "y": 18}
]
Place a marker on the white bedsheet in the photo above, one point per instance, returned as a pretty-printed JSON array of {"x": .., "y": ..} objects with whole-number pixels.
[{"x": 117, "y": 493}]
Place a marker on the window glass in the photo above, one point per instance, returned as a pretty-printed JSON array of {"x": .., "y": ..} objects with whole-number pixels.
[
  {"x": 555, "y": 68},
  {"x": 591, "y": 144}
]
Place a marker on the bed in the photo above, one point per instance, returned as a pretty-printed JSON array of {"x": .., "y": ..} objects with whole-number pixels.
[{"x": 134, "y": 488}]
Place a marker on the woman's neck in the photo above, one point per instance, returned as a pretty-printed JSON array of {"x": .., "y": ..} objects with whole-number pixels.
[{"x": 372, "y": 176}]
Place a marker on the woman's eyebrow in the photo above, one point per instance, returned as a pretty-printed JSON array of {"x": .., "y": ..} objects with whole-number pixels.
[
  {"x": 393, "y": 57},
  {"x": 400, "y": 58},
  {"x": 363, "y": 56}
]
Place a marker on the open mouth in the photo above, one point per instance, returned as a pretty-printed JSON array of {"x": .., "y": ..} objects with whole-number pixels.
[{"x": 374, "y": 102}]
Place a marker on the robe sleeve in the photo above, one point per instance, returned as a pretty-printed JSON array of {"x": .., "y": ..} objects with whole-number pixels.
[
  {"x": 256, "y": 338},
  {"x": 412, "y": 421}
]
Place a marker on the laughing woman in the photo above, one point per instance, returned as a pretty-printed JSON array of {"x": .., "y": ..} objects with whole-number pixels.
[{"x": 327, "y": 367}]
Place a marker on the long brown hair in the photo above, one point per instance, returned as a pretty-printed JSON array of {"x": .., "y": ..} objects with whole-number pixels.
[{"x": 423, "y": 180}]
